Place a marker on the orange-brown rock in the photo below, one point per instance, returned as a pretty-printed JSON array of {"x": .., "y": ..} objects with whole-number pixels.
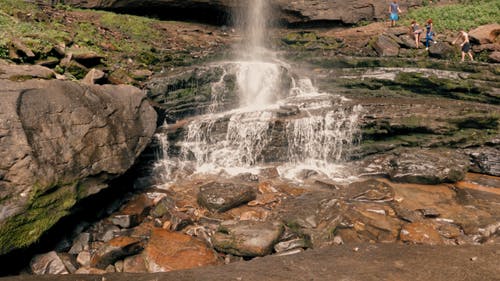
[
  {"x": 420, "y": 233},
  {"x": 167, "y": 251}
]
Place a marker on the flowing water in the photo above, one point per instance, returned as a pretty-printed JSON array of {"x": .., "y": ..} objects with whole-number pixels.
[{"x": 282, "y": 120}]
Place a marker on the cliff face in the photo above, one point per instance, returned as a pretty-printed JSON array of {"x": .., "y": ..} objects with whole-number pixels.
[{"x": 291, "y": 12}]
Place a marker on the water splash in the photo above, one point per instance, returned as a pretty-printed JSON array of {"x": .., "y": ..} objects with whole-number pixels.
[{"x": 280, "y": 119}]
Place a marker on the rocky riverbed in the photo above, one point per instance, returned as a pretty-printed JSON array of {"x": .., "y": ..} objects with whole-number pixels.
[{"x": 425, "y": 169}]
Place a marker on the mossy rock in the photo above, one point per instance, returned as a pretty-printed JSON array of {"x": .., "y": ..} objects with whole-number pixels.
[{"x": 43, "y": 211}]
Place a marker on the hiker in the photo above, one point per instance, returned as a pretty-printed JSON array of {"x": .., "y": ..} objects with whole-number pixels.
[
  {"x": 429, "y": 34},
  {"x": 394, "y": 12},
  {"x": 466, "y": 48},
  {"x": 417, "y": 31}
]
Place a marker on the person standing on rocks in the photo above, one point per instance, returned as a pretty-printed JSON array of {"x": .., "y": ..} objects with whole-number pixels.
[
  {"x": 429, "y": 34},
  {"x": 417, "y": 31},
  {"x": 394, "y": 12},
  {"x": 466, "y": 48}
]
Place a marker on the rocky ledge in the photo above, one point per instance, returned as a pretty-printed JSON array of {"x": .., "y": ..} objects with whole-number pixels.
[{"x": 291, "y": 12}]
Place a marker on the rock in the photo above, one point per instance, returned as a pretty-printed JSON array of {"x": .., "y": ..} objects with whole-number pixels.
[
  {"x": 486, "y": 34},
  {"x": 16, "y": 72},
  {"x": 69, "y": 262},
  {"x": 48, "y": 263},
  {"x": 87, "y": 59},
  {"x": 163, "y": 207},
  {"x": 83, "y": 258},
  {"x": 62, "y": 142},
  {"x": 94, "y": 76},
  {"x": 247, "y": 238},
  {"x": 167, "y": 251},
  {"x": 485, "y": 160},
  {"x": 385, "y": 46},
  {"x": 407, "y": 41},
  {"x": 115, "y": 249},
  {"x": 22, "y": 49},
  {"x": 290, "y": 245},
  {"x": 109, "y": 232},
  {"x": 420, "y": 233},
  {"x": 50, "y": 62},
  {"x": 141, "y": 74},
  {"x": 442, "y": 50},
  {"x": 494, "y": 57},
  {"x": 133, "y": 212},
  {"x": 427, "y": 166},
  {"x": 90, "y": 270},
  {"x": 80, "y": 243},
  {"x": 291, "y": 12},
  {"x": 134, "y": 264},
  {"x": 220, "y": 197}
]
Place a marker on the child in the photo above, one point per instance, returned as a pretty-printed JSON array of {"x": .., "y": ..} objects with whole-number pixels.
[
  {"x": 466, "y": 48},
  {"x": 394, "y": 12},
  {"x": 417, "y": 31},
  {"x": 429, "y": 34}
]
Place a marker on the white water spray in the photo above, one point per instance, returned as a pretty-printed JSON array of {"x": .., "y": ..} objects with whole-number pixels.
[{"x": 318, "y": 133}]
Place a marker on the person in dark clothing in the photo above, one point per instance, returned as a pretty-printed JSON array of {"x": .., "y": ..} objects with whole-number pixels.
[{"x": 429, "y": 34}]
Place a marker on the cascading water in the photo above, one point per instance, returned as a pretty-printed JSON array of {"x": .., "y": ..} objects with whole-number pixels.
[{"x": 281, "y": 121}]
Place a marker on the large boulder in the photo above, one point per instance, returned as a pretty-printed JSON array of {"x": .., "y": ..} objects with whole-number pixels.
[
  {"x": 60, "y": 142},
  {"x": 292, "y": 12},
  {"x": 385, "y": 46},
  {"x": 486, "y": 34}
]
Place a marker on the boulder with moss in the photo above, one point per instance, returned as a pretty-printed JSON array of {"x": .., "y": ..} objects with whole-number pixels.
[{"x": 62, "y": 141}]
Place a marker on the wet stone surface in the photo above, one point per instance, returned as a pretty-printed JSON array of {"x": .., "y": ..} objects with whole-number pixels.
[{"x": 177, "y": 232}]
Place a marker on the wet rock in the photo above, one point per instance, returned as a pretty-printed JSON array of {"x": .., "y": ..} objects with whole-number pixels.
[
  {"x": 373, "y": 222},
  {"x": 370, "y": 191},
  {"x": 385, "y": 46},
  {"x": 133, "y": 212},
  {"x": 48, "y": 263},
  {"x": 485, "y": 160},
  {"x": 430, "y": 213},
  {"x": 420, "y": 233},
  {"x": 163, "y": 207},
  {"x": 167, "y": 251},
  {"x": 247, "y": 238},
  {"x": 134, "y": 264},
  {"x": 428, "y": 166},
  {"x": 114, "y": 250},
  {"x": 221, "y": 197}
]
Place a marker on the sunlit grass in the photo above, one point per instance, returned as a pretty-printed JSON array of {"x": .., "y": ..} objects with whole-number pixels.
[{"x": 454, "y": 17}]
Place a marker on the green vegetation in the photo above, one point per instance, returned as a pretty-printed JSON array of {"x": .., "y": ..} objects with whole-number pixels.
[
  {"x": 466, "y": 15},
  {"x": 45, "y": 208},
  {"x": 117, "y": 37}
]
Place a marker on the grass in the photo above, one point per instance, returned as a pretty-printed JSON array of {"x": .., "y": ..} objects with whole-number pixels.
[
  {"x": 117, "y": 36},
  {"x": 468, "y": 15}
]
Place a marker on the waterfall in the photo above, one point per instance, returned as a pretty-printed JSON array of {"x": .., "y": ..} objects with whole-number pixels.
[{"x": 281, "y": 120}]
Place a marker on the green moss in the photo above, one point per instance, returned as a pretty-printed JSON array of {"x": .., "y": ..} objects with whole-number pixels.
[{"x": 47, "y": 205}]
